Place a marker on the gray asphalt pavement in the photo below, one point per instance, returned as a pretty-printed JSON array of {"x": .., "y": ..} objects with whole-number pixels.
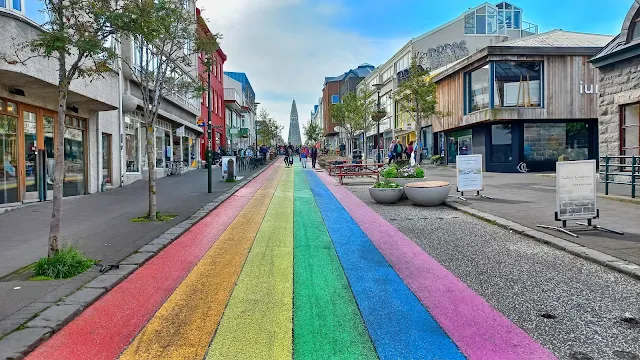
[{"x": 524, "y": 279}]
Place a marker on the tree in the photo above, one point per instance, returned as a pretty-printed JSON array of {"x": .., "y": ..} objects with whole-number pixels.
[
  {"x": 348, "y": 114},
  {"x": 312, "y": 132},
  {"x": 76, "y": 35},
  {"x": 416, "y": 95},
  {"x": 269, "y": 131},
  {"x": 364, "y": 108},
  {"x": 165, "y": 38}
]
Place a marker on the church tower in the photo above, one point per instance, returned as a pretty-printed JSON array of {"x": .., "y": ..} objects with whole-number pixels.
[{"x": 294, "y": 127}]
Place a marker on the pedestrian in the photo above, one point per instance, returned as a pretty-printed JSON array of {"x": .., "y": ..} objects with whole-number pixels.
[
  {"x": 392, "y": 149},
  {"x": 417, "y": 149},
  {"x": 287, "y": 154},
  {"x": 314, "y": 156},
  {"x": 303, "y": 156},
  {"x": 398, "y": 150},
  {"x": 409, "y": 151}
]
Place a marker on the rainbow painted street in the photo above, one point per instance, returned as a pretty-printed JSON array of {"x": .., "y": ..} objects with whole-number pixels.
[{"x": 292, "y": 266}]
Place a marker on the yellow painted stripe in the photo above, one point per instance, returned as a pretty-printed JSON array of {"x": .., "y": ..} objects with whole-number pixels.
[
  {"x": 257, "y": 323},
  {"x": 185, "y": 324}
]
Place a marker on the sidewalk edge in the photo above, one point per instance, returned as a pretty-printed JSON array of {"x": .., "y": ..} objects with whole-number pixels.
[
  {"x": 600, "y": 258},
  {"x": 54, "y": 320}
]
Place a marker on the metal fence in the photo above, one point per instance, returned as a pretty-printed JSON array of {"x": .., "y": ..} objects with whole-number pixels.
[{"x": 620, "y": 170}]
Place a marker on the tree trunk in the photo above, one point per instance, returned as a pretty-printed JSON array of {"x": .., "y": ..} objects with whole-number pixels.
[
  {"x": 151, "y": 164},
  {"x": 58, "y": 172}
]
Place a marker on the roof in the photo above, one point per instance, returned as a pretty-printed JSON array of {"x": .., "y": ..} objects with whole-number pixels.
[
  {"x": 560, "y": 38},
  {"x": 619, "y": 49},
  {"x": 555, "y": 42},
  {"x": 361, "y": 71}
]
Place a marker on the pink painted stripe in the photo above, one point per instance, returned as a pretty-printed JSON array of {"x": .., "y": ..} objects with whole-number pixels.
[
  {"x": 104, "y": 329},
  {"x": 479, "y": 330}
]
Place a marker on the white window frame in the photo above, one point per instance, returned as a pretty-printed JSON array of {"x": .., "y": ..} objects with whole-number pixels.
[{"x": 9, "y": 6}]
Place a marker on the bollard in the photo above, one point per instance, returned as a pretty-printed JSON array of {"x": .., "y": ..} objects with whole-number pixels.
[{"x": 231, "y": 169}]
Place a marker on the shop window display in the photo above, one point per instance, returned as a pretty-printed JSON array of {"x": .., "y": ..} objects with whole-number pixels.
[{"x": 556, "y": 141}]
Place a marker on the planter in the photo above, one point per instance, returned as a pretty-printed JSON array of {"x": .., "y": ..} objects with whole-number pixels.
[
  {"x": 385, "y": 196},
  {"x": 428, "y": 193},
  {"x": 404, "y": 181}
]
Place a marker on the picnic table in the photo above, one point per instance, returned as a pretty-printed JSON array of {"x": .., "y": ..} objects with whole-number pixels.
[{"x": 362, "y": 170}]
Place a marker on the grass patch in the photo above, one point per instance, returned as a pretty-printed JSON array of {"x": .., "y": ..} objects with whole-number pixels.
[
  {"x": 230, "y": 180},
  {"x": 40, "y": 278},
  {"x": 159, "y": 217},
  {"x": 66, "y": 263}
]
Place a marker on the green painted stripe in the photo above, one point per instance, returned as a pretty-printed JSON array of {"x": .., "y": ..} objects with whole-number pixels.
[
  {"x": 257, "y": 323},
  {"x": 327, "y": 322}
]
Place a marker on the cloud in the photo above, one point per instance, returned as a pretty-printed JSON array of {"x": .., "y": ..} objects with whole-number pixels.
[{"x": 287, "y": 47}]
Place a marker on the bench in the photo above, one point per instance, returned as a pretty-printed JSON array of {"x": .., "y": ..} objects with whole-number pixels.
[
  {"x": 341, "y": 175},
  {"x": 361, "y": 170}
]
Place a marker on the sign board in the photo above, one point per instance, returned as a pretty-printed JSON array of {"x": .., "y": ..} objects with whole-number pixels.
[
  {"x": 180, "y": 131},
  {"x": 576, "y": 190},
  {"x": 201, "y": 122},
  {"x": 225, "y": 168},
  {"x": 469, "y": 172},
  {"x": 234, "y": 131}
]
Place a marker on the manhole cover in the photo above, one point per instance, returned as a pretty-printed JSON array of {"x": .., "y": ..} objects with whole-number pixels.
[
  {"x": 625, "y": 355},
  {"x": 630, "y": 320},
  {"x": 579, "y": 355},
  {"x": 393, "y": 219},
  {"x": 548, "y": 315}
]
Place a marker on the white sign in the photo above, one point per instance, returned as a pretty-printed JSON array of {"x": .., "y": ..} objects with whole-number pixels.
[
  {"x": 469, "y": 172},
  {"x": 225, "y": 167},
  {"x": 180, "y": 131},
  {"x": 576, "y": 189}
]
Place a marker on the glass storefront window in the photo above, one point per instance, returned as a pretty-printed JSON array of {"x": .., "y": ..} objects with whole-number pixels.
[
  {"x": 168, "y": 148},
  {"x": 556, "y": 141},
  {"x": 159, "y": 148},
  {"x": 630, "y": 136},
  {"x": 517, "y": 83},
  {"x": 185, "y": 149},
  {"x": 501, "y": 143},
  {"x": 459, "y": 143},
  {"x": 30, "y": 154},
  {"x": 11, "y": 108},
  {"x": 132, "y": 144},
  {"x": 479, "y": 89},
  {"x": 9, "y": 158},
  {"x": 49, "y": 146},
  {"x": 74, "y": 182}
]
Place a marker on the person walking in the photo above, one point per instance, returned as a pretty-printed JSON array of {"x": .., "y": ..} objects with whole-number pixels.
[
  {"x": 304, "y": 152},
  {"x": 398, "y": 151},
  {"x": 314, "y": 156},
  {"x": 392, "y": 149},
  {"x": 409, "y": 151},
  {"x": 287, "y": 154}
]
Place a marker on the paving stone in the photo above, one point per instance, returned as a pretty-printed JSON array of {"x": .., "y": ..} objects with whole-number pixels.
[
  {"x": 21, "y": 342},
  {"x": 151, "y": 248},
  {"x": 55, "y": 317},
  {"x": 161, "y": 241},
  {"x": 124, "y": 270},
  {"x": 175, "y": 231},
  {"x": 106, "y": 281},
  {"x": 84, "y": 297},
  {"x": 137, "y": 259}
]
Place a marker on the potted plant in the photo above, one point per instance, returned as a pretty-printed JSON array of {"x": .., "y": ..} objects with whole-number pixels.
[
  {"x": 428, "y": 193},
  {"x": 436, "y": 160},
  {"x": 385, "y": 192},
  {"x": 402, "y": 175}
]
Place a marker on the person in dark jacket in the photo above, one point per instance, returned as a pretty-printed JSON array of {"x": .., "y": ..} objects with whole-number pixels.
[{"x": 314, "y": 156}]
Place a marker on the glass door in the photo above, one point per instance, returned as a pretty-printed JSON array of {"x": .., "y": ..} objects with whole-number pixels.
[
  {"x": 49, "y": 123},
  {"x": 30, "y": 155},
  {"x": 8, "y": 158},
  {"x": 106, "y": 158}
]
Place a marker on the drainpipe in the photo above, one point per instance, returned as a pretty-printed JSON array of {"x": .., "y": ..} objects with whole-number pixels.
[
  {"x": 120, "y": 116},
  {"x": 98, "y": 154}
]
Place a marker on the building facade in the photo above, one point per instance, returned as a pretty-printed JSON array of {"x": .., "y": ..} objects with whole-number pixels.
[
  {"x": 528, "y": 101},
  {"x": 215, "y": 73},
  {"x": 242, "y": 129},
  {"x": 333, "y": 90},
  {"x": 476, "y": 28},
  {"x": 618, "y": 66},
  {"x": 28, "y": 112}
]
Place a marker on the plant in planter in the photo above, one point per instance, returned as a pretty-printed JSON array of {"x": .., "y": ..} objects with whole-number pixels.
[
  {"x": 402, "y": 175},
  {"x": 436, "y": 159},
  {"x": 385, "y": 192}
]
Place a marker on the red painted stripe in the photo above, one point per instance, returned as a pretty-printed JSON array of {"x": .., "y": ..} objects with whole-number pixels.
[{"x": 104, "y": 330}]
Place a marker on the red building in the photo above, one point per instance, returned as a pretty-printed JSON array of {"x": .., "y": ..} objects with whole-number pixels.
[{"x": 217, "y": 94}]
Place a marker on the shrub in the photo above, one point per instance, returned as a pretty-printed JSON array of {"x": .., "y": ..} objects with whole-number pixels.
[
  {"x": 389, "y": 172},
  {"x": 67, "y": 262},
  {"x": 386, "y": 185}
]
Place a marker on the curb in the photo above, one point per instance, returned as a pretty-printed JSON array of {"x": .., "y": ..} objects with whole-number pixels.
[
  {"x": 624, "y": 199},
  {"x": 611, "y": 262},
  {"x": 17, "y": 344}
]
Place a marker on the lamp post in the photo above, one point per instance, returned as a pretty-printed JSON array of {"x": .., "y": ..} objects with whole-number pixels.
[
  {"x": 210, "y": 63},
  {"x": 378, "y": 87}
]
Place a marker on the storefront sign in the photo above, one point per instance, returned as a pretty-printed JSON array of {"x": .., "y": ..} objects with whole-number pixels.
[
  {"x": 576, "y": 189},
  {"x": 180, "y": 131},
  {"x": 469, "y": 172},
  {"x": 225, "y": 166}
]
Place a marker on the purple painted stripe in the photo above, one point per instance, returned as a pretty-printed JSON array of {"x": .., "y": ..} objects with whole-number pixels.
[{"x": 479, "y": 330}]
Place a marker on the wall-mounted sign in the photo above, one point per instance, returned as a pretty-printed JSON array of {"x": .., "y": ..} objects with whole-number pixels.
[
  {"x": 180, "y": 131},
  {"x": 588, "y": 88},
  {"x": 576, "y": 189},
  {"x": 469, "y": 173}
]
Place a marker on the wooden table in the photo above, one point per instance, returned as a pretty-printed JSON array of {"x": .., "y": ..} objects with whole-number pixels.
[{"x": 358, "y": 170}]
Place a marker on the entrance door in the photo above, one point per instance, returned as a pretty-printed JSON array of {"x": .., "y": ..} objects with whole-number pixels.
[
  {"x": 8, "y": 158},
  {"x": 30, "y": 155},
  {"x": 49, "y": 124},
  {"x": 106, "y": 158}
]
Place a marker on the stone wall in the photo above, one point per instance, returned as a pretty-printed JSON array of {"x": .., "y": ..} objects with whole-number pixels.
[{"x": 619, "y": 84}]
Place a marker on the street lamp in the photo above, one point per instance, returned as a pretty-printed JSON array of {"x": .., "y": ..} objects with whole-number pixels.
[
  {"x": 377, "y": 117},
  {"x": 255, "y": 122}
]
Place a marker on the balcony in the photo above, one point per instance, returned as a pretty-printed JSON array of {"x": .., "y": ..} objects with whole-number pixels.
[{"x": 233, "y": 99}]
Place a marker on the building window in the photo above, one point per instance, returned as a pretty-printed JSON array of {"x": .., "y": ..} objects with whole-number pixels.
[
  {"x": 8, "y": 156},
  {"x": 501, "y": 143},
  {"x": 335, "y": 99},
  {"x": 74, "y": 160},
  {"x": 630, "y": 131},
  {"x": 551, "y": 141},
  {"x": 403, "y": 63},
  {"x": 509, "y": 16},
  {"x": 518, "y": 83},
  {"x": 132, "y": 144},
  {"x": 635, "y": 29},
  {"x": 478, "y": 89},
  {"x": 482, "y": 21}
]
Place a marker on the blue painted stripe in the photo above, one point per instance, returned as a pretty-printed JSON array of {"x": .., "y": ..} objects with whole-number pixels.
[{"x": 400, "y": 327}]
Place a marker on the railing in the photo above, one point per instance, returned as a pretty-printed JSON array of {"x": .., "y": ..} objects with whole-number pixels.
[
  {"x": 627, "y": 167},
  {"x": 529, "y": 27},
  {"x": 230, "y": 94}
]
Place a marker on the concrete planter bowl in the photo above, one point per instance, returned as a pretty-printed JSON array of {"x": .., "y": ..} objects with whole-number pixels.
[
  {"x": 403, "y": 182},
  {"x": 428, "y": 193},
  {"x": 385, "y": 196}
]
